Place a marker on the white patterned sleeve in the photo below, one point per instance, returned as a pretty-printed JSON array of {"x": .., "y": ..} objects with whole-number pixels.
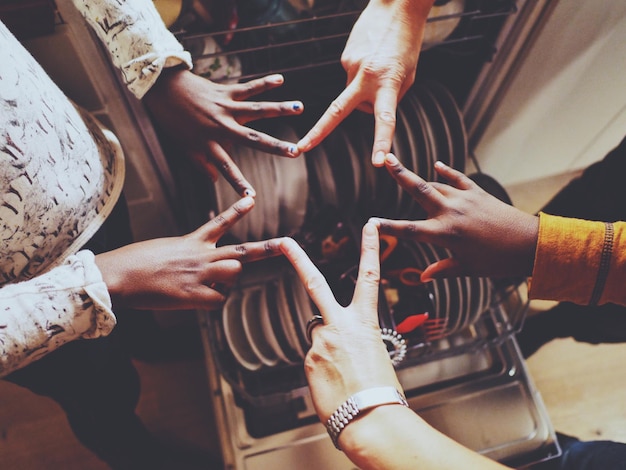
[
  {"x": 38, "y": 316},
  {"x": 139, "y": 42}
]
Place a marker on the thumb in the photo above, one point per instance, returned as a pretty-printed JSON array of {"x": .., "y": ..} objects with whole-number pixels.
[{"x": 448, "y": 267}]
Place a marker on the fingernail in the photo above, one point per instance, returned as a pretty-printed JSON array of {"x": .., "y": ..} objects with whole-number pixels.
[
  {"x": 379, "y": 158},
  {"x": 293, "y": 150},
  {"x": 391, "y": 159},
  {"x": 426, "y": 278},
  {"x": 369, "y": 228},
  {"x": 277, "y": 78},
  {"x": 249, "y": 192},
  {"x": 246, "y": 202},
  {"x": 296, "y": 106},
  {"x": 374, "y": 221},
  {"x": 439, "y": 164}
]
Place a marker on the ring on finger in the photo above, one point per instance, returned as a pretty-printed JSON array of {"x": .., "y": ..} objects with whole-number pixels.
[{"x": 312, "y": 323}]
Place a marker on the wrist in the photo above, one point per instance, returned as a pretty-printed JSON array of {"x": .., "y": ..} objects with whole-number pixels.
[
  {"x": 379, "y": 438},
  {"x": 360, "y": 403}
]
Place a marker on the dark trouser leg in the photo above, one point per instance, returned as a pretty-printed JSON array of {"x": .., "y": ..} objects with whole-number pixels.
[
  {"x": 587, "y": 455},
  {"x": 598, "y": 194},
  {"x": 95, "y": 381},
  {"x": 97, "y": 386}
]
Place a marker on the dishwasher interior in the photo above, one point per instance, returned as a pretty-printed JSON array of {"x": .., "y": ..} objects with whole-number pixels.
[{"x": 452, "y": 341}]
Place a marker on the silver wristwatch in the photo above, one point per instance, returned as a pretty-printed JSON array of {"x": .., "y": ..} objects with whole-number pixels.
[{"x": 359, "y": 402}]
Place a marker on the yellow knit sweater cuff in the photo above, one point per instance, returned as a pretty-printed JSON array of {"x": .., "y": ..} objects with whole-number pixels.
[{"x": 579, "y": 261}]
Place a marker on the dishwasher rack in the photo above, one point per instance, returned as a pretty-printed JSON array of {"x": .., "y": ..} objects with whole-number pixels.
[{"x": 314, "y": 38}]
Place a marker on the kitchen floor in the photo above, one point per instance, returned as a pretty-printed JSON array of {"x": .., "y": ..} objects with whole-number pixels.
[{"x": 582, "y": 386}]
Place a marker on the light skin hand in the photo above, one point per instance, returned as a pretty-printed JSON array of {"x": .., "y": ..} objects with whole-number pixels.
[
  {"x": 348, "y": 355},
  {"x": 185, "y": 272},
  {"x": 485, "y": 236},
  {"x": 350, "y": 335},
  {"x": 208, "y": 117},
  {"x": 380, "y": 59}
]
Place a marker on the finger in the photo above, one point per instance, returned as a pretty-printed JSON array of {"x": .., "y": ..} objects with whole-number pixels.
[
  {"x": 201, "y": 160},
  {"x": 338, "y": 110},
  {"x": 385, "y": 123},
  {"x": 215, "y": 228},
  {"x": 366, "y": 290},
  {"x": 312, "y": 278},
  {"x": 422, "y": 191},
  {"x": 230, "y": 170},
  {"x": 246, "y": 111},
  {"x": 222, "y": 274},
  {"x": 448, "y": 267},
  {"x": 261, "y": 141},
  {"x": 454, "y": 177},
  {"x": 417, "y": 230},
  {"x": 246, "y": 90},
  {"x": 250, "y": 251}
]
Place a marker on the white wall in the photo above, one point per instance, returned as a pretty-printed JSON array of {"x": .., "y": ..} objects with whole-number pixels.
[{"x": 566, "y": 107}]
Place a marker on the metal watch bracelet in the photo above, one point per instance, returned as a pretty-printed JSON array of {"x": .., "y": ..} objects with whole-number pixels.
[{"x": 359, "y": 402}]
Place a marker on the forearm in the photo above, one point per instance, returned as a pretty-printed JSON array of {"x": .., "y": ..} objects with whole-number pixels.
[
  {"x": 569, "y": 263},
  {"x": 137, "y": 39},
  {"x": 396, "y": 438},
  {"x": 40, "y": 315}
]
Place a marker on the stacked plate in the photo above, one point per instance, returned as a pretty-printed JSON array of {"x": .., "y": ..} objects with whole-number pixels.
[
  {"x": 265, "y": 324},
  {"x": 429, "y": 127},
  {"x": 282, "y": 191},
  {"x": 426, "y": 312}
]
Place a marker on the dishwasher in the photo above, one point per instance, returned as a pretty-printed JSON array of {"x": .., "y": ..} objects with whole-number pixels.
[{"x": 452, "y": 341}]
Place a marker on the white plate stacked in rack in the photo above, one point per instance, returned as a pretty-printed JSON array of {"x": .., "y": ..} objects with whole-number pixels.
[{"x": 265, "y": 324}]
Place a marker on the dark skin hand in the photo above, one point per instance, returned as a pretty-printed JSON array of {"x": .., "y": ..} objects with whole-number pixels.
[
  {"x": 485, "y": 236},
  {"x": 207, "y": 117},
  {"x": 185, "y": 272}
]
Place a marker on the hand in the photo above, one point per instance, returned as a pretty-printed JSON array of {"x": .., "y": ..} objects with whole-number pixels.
[
  {"x": 207, "y": 117},
  {"x": 380, "y": 58},
  {"x": 184, "y": 272},
  {"x": 348, "y": 354},
  {"x": 485, "y": 236}
]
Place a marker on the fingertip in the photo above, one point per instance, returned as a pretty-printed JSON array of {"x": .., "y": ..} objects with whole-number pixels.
[
  {"x": 290, "y": 150},
  {"x": 246, "y": 202},
  {"x": 249, "y": 192},
  {"x": 370, "y": 229},
  {"x": 426, "y": 278},
  {"x": 375, "y": 221},
  {"x": 391, "y": 159},
  {"x": 276, "y": 78},
  {"x": 378, "y": 159},
  {"x": 304, "y": 144}
]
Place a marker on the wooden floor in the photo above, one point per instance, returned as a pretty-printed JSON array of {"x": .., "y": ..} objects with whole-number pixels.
[
  {"x": 583, "y": 387},
  {"x": 174, "y": 404}
]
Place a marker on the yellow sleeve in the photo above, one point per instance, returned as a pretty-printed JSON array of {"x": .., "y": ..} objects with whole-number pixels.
[{"x": 579, "y": 261}]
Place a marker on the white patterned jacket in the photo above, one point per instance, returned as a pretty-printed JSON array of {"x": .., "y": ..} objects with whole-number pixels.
[{"x": 60, "y": 176}]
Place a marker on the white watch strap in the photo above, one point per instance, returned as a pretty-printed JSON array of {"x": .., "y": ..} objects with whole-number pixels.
[{"x": 359, "y": 402}]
